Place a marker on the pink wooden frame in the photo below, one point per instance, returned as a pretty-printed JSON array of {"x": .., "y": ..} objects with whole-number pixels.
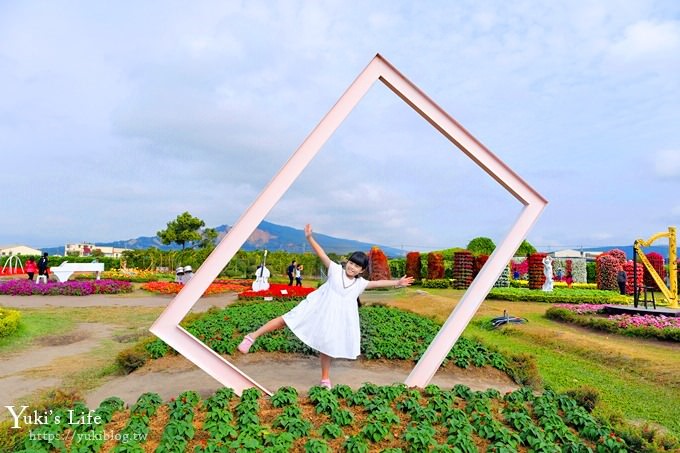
[{"x": 167, "y": 325}]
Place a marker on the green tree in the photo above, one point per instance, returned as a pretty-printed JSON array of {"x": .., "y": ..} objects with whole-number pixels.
[
  {"x": 185, "y": 228},
  {"x": 481, "y": 246},
  {"x": 525, "y": 249},
  {"x": 208, "y": 238}
]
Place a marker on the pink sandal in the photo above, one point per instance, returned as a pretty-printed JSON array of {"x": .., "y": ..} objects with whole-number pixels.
[
  {"x": 245, "y": 345},
  {"x": 325, "y": 383}
]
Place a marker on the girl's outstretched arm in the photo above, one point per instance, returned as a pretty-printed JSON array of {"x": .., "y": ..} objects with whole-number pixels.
[
  {"x": 316, "y": 247},
  {"x": 403, "y": 281}
]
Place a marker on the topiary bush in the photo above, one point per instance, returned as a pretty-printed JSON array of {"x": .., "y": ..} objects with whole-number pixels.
[
  {"x": 413, "y": 265},
  {"x": 478, "y": 263},
  {"x": 504, "y": 279},
  {"x": 378, "y": 267},
  {"x": 481, "y": 246},
  {"x": 657, "y": 262},
  {"x": 607, "y": 266},
  {"x": 630, "y": 276},
  {"x": 9, "y": 321},
  {"x": 463, "y": 267},
  {"x": 536, "y": 276},
  {"x": 435, "y": 266}
]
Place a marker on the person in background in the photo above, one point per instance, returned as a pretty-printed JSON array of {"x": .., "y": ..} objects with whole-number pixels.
[
  {"x": 621, "y": 278},
  {"x": 291, "y": 272},
  {"x": 31, "y": 268},
  {"x": 43, "y": 269},
  {"x": 298, "y": 275}
]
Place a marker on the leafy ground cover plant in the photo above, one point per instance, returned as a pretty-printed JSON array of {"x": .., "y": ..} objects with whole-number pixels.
[
  {"x": 592, "y": 316},
  {"x": 387, "y": 333},
  {"x": 558, "y": 295},
  {"x": 68, "y": 288},
  {"x": 466, "y": 421}
]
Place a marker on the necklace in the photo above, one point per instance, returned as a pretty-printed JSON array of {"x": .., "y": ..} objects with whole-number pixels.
[{"x": 343, "y": 280}]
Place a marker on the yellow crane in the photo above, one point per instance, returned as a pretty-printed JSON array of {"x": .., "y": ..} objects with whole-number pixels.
[{"x": 670, "y": 292}]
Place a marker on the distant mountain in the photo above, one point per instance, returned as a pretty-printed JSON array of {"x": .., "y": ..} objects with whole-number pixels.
[
  {"x": 267, "y": 236},
  {"x": 628, "y": 249}
]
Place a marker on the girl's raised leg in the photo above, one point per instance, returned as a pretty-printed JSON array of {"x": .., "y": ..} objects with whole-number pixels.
[{"x": 274, "y": 324}]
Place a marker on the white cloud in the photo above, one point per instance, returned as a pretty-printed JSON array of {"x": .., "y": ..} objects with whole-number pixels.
[
  {"x": 648, "y": 40},
  {"x": 667, "y": 163},
  {"x": 139, "y": 112}
]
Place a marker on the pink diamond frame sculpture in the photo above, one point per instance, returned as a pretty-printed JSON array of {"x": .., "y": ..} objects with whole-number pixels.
[{"x": 167, "y": 327}]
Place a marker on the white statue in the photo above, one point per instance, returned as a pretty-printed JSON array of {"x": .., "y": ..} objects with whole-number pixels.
[{"x": 548, "y": 272}]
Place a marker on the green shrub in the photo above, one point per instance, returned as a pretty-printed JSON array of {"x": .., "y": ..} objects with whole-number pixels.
[
  {"x": 558, "y": 295},
  {"x": 132, "y": 358},
  {"x": 586, "y": 396},
  {"x": 523, "y": 370},
  {"x": 9, "y": 321},
  {"x": 435, "y": 283}
]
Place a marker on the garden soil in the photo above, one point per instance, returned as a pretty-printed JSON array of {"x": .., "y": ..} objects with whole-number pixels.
[{"x": 172, "y": 375}]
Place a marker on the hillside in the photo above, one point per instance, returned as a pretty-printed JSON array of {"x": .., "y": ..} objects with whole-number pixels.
[{"x": 268, "y": 236}]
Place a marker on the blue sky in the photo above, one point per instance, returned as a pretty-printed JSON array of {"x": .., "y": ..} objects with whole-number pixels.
[{"x": 115, "y": 117}]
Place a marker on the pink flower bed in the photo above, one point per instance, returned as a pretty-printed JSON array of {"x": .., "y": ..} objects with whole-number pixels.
[
  {"x": 582, "y": 309},
  {"x": 657, "y": 322},
  {"x": 625, "y": 321},
  {"x": 26, "y": 287}
]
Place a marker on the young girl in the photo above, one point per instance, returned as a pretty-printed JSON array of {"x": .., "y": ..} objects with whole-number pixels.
[{"x": 328, "y": 319}]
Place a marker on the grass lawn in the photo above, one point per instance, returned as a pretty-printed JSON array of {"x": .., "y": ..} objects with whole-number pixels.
[{"x": 638, "y": 379}]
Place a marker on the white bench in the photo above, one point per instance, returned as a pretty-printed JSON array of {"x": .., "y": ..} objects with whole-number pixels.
[{"x": 65, "y": 269}]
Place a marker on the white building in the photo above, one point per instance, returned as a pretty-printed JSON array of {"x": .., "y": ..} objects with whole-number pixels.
[
  {"x": 8, "y": 250},
  {"x": 571, "y": 253},
  {"x": 86, "y": 249}
]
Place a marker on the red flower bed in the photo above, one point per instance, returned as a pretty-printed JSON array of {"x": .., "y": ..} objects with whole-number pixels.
[
  {"x": 277, "y": 291},
  {"x": 174, "y": 288}
]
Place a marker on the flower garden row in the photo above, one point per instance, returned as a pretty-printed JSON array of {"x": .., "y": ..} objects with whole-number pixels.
[
  {"x": 387, "y": 333},
  {"x": 372, "y": 418},
  {"x": 593, "y": 316},
  {"x": 25, "y": 287}
]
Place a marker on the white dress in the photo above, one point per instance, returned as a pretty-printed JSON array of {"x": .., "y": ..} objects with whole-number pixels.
[{"x": 328, "y": 319}]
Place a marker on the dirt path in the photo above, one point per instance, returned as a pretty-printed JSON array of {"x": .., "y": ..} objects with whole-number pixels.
[
  {"x": 173, "y": 375},
  {"x": 22, "y": 373}
]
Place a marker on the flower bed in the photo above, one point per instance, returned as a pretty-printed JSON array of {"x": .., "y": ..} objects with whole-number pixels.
[
  {"x": 592, "y": 316},
  {"x": 135, "y": 275},
  {"x": 278, "y": 292},
  {"x": 558, "y": 295},
  {"x": 218, "y": 287},
  {"x": 69, "y": 288},
  {"x": 9, "y": 321}
]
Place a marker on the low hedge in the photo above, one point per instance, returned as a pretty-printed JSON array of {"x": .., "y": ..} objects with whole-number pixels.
[
  {"x": 558, "y": 295},
  {"x": 9, "y": 321},
  {"x": 561, "y": 284},
  {"x": 610, "y": 325},
  {"x": 435, "y": 283}
]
